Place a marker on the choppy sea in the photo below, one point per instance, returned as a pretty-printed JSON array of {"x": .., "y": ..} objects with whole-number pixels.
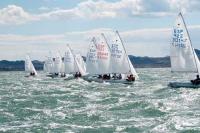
[{"x": 43, "y": 104}]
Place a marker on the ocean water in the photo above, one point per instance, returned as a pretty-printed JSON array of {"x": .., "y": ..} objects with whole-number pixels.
[{"x": 53, "y": 105}]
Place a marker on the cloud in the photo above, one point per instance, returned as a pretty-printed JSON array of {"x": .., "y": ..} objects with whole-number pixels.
[
  {"x": 141, "y": 42},
  {"x": 100, "y": 9},
  {"x": 13, "y": 14}
]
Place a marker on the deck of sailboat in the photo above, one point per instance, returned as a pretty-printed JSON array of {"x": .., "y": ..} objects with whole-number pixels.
[
  {"x": 100, "y": 80},
  {"x": 183, "y": 85}
]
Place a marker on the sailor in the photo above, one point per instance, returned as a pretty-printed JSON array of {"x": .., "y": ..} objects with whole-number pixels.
[
  {"x": 100, "y": 76},
  {"x": 104, "y": 76},
  {"x": 114, "y": 76},
  {"x": 130, "y": 78},
  {"x": 120, "y": 76},
  {"x": 76, "y": 75},
  {"x": 196, "y": 81},
  {"x": 108, "y": 77},
  {"x": 32, "y": 74},
  {"x": 79, "y": 74}
]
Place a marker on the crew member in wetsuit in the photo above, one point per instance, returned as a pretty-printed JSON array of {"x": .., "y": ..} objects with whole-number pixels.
[
  {"x": 79, "y": 74},
  {"x": 32, "y": 74},
  {"x": 76, "y": 75},
  {"x": 114, "y": 76},
  {"x": 120, "y": 76},
  {"x": 196, "y": 81},
  {"x": 130, "y": 78},
  {"x": 100, "y": 76},
  {"x": 108, "y": 76},
  {"x": 104, "y": 76}
]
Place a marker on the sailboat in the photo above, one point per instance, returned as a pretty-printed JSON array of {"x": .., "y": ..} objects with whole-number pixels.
[
  {"x": 49, "y": 66},
  {"x": 57, "y": 64},
  {"x": 121, "y": 63},
  {"x": 29, "y": 68},
  {"x": 182, "y": 55},
  {"x": 74, "y": 64},
  {"x": 103, "y": 59}
]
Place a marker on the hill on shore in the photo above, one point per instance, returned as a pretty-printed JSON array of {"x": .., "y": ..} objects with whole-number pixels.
[{"x": 139, "y": 62}]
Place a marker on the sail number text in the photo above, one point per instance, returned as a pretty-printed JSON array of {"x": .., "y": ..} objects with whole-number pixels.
[{"x": 178, "y": 39}]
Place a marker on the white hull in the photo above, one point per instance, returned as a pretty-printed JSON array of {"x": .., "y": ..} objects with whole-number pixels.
[
  {"x": 98, "y": 80},
  {"x": 183, "y": 85}
]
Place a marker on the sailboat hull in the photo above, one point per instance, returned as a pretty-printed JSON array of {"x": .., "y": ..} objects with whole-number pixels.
[
  {"x": 183, "y": 85},
  {"x": 98, "y": 80}
]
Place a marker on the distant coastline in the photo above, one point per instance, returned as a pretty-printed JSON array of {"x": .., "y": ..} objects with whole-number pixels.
[{"x": 139, "y": 62}]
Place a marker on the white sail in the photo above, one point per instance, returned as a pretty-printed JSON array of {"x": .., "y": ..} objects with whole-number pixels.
[
  {"x": 182, "y": 54},
  {"x": 49, "y": 65},
  {"x": 132, "y": 69},
  {"x": 103, "y": 56},
  {"x": 80, "y": 64},
  {"x": 29, "y": 66},
  {"x": 119, "y": 59},
  {"x": 62, "y": 66},
  {"x": 120, "y": 62},
  {"x": 69, "y": 61},
  {"x": 197, "y": 62},
  {"x": 57, "y": 63},
  {"x": 91, "y": 59}
]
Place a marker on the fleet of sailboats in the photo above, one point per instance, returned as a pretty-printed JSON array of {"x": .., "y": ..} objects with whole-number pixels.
[{"x": 109, "y": 61}]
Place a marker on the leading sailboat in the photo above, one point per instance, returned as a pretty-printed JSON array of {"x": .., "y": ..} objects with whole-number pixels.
[
  {"x": 182, "y": 54},
  {"x": 29, "y": 68}
]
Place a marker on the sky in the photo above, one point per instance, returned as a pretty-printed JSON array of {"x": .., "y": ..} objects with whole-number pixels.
[{"x": 36, "y": 27}]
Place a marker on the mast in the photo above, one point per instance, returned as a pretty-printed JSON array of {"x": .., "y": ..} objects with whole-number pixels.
[{"x": 189, "y": 40}]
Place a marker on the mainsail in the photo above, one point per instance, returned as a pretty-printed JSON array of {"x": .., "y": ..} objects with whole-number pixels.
[
  {"x": 57, "y": 63},
  {"x": 91, "y": 59},
  {"x": 48, "y": 65},
  {"x": 69, "y": 61},
  {"x": 29, "y": 66},
  {"x": 103, "y": 56},
  {"x": 182, "y": 55}
]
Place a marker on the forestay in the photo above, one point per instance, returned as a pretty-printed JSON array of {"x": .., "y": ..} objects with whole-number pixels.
[{"x": 182, "y": 55}]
